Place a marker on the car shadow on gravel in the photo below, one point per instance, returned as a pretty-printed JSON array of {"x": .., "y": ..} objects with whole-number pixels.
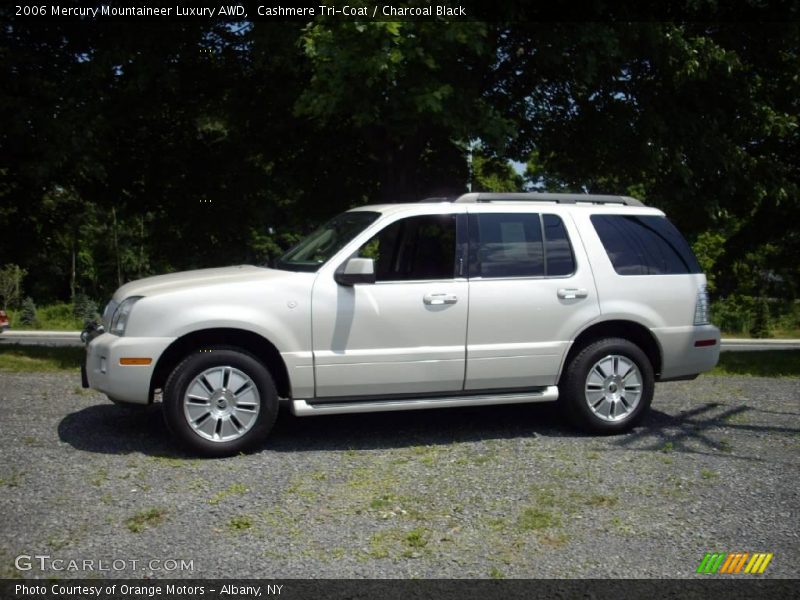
[
  {"x": 416, "y": 428},
  {"x": 701, "y": 430},
  {"x": 111, "y": 429}
]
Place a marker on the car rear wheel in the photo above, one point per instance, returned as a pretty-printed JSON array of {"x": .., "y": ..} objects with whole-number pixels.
[
  {"x": 608, "y": 386},
  {"x": 220, "y": 401}
]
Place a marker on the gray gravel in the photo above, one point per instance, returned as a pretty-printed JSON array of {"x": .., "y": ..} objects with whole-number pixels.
[{"x": 463, "y": 493}]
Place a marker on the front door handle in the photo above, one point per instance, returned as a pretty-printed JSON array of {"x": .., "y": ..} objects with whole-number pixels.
[
  {"x": 572, "y": 293},
  {"x": 436, "y": 299}
]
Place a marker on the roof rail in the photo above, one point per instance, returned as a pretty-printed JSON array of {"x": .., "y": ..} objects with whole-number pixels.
[
  {"x": 440, "y": 199},
  {"x": 543, "y": 197}
]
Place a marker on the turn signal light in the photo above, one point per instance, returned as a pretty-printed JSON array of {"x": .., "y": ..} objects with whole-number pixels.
[{"x": 135, "y": 361}]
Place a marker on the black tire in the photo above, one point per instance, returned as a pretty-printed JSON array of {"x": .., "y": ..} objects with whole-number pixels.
[
  {"x": 226, "y": 417},
  {"x": 607, "y": 404}
]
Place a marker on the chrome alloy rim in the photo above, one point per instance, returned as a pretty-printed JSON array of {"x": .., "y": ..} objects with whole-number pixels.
[
  {"x": 613, "y": 387},
  {"x": 221, "y": 404}
]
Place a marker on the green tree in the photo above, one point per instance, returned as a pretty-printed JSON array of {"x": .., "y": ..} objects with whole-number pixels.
[
  {"x": 28, "y": 312},
  {"x": 412, "y": 91},
  {"x": 760, "y": 328},
  {"x": 11, "y": 277}
]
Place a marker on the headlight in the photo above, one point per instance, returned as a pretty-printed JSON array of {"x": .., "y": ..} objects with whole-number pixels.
[
  {"x": 120, "y": 319},
  {"x": 108, "y": 313}
]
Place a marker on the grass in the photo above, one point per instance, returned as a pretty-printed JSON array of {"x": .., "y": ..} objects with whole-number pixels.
[
  {"x": 99, "y": 477},
  {"x": 533, "y": 518},
  {"x": 405, "y": 544},
  {"x": 416, "y": 538},
  {"x": 53, "y": 317},
  {"x": 240, "y": 523},
  {"x": 14, "y": 479},
  {"x": 766, "y": 363},
  {"x": 708, "y": 474},
  {"x": 495, "y": 573},
  {"x": 142, "y": 520},
  {"x": 235, "y": 489},
  {"x": 27, "y": 359},
  {"x": 383, "y": 502}
]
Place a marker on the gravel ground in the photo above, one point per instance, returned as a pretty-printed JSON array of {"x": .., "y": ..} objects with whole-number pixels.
[{"x": 459, "y": 493}]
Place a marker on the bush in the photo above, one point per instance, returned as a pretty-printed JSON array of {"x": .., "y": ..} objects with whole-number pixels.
[
  {"x": 59, "y": 316},
  {"x": 760, "y": 317},
  {"x": 84, "y": 308},
  {"x": 733, "y": 314},
  {"x": 760, "y": 328},
  {"x": 28, "y": 314},
  {"x": 11, "y": 285}
]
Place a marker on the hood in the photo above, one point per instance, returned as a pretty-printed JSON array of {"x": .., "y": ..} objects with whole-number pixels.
[{"x": 161, "y": 284}]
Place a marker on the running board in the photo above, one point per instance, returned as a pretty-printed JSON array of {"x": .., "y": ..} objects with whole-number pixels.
[{"x": 302, "y": 408}]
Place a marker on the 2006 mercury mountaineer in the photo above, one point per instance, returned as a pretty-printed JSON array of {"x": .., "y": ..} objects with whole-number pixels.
[{"x": 489, "y": 299}]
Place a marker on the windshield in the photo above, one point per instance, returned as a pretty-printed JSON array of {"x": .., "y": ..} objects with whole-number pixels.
[{"x": 315, "y": 250}]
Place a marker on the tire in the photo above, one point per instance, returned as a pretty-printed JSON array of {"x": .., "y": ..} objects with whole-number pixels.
[
  {"x": 608, "y": 386},
  {"x": 220, "y": 402}
]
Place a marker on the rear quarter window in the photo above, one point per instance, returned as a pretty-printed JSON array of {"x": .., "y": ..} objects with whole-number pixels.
[{"x": 644, "y": 245}]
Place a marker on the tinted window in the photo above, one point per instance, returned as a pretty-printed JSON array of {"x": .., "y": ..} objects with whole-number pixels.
[
  {"x": 510, "y": 245},
  {"x": 506, "y": 245},
  {"x": 560, "y": 260},
  {"x": 644, "y": 245},
  {"x": 312, "y": 252},
  {"x": 414, "y": 248}
]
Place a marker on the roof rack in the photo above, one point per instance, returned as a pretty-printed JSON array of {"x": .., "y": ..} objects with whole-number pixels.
[
  {"x": 543, "y": 197},
  {"x": 440, "y": 199}
]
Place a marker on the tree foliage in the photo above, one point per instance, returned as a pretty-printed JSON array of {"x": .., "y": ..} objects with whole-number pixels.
[
  {"x": 129, "y": 149},
  {"x": 11, "y": 277}
]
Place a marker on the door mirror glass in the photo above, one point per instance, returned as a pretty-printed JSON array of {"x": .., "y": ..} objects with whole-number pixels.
[{"x": 355, "y": 270}]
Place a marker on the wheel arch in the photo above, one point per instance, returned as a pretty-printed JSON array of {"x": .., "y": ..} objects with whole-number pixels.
[
  {"x": 619, "y": 328},
  {"x": 261, "y": 348}
]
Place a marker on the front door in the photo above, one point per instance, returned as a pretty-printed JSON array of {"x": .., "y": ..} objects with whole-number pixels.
[{"x": 404, "y": 334}]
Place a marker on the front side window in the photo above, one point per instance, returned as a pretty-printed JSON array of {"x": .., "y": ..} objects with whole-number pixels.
[
  {"x": 415, "y": 248},
  {"x": 519, "y": 245},
  {"x": 644, "y": 245},
  {"x": 315, "y": 250}
]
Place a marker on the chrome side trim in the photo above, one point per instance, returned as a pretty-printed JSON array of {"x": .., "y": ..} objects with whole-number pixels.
[{"x": 302, "y": 408}]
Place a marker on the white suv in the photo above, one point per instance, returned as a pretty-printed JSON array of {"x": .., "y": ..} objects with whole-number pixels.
[{"x": 488, "y": 299}]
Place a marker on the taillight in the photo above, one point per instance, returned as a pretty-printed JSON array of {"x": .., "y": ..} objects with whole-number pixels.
[{"x": 701, "y": 307}]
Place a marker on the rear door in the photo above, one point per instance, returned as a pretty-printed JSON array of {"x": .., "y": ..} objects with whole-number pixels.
[{"x": 531, "y": 289}]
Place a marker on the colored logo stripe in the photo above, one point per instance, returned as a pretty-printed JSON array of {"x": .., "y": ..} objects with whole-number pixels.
[
  {"x": 711, "y": 562},
  {"x": 758, "y": 563},
  {"x": 732, "y": 563}
]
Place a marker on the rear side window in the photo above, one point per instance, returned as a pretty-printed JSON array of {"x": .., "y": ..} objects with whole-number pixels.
[
  {"x": 644, "y": 245},
  {"x": 519, "y": 245}
]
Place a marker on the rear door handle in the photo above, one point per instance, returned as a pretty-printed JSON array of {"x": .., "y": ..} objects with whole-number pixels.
[
  {"x": 572, "y": 293},
  {"x": 436, "y": 299}
]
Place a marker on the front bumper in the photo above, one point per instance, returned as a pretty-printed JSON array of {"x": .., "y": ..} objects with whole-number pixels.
[{"x": 127, "y": 383}]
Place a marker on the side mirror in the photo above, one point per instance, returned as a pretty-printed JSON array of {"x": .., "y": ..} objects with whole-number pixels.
[{"x": 355, "y": 270}]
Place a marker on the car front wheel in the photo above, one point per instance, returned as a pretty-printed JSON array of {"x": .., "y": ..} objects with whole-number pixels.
[
  {"x": 220, "y": 401},
  {"x": 608, "y": 386}
]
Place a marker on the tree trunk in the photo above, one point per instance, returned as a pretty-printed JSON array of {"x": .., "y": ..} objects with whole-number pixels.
[{"x": 116, "y": 246}]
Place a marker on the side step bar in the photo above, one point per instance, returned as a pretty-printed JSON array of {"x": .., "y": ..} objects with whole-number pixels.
[{"x": 303, "y": 408}]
